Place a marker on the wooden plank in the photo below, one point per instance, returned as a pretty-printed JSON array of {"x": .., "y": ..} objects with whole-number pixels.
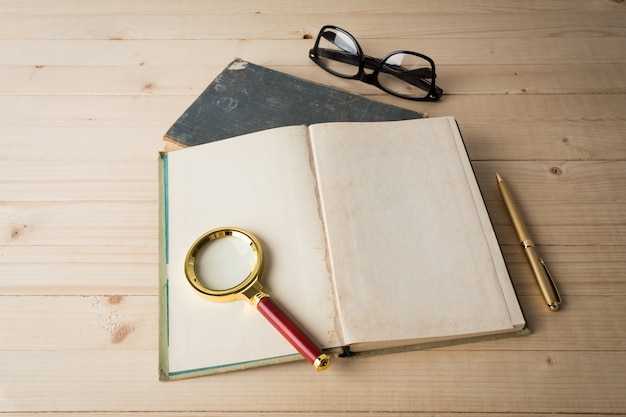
[
  {"x": 494, "y": 127},
  {"x": 112, "y": 80},
  {"x": 555, "y": 181},
  {"x": 497, "y": 78},
  {"x": 438, "y": 381},
  {"x": 135, "y": 223},
  {"x": 204, "y": 23},
  {"x": 553, "y": 222},
  {"x": 81, "y": 181},
  {"x": 190, "y": 80},
  {"x": 94, "y": 112},
  {"x": 297, "y": 414},
  {"x": 455, "y": 51},
  {"x": 569, "y": 182},
  {"x": 78, "y": 323},
  {"x": 558, "y": 223},
  {"x": 132, "y": 270},
  {"x": 79, "y": 223},
  {"x": 583, "y": 324},
  {"x": 578, "y": 270},
  {"x": 184, "y": 7},
  {"x": 114, "y": 322},
  {"x": 553, "y": 127},
  {"x": 22, "y": 143},
  {"x": 79, "y": 270}
]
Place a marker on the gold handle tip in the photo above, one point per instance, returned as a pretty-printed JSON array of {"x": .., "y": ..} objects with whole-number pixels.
[
  {"x": 322, "y": 362},
  {"x": 498, "y": 177},
  {"x": 554, "y": 306}
]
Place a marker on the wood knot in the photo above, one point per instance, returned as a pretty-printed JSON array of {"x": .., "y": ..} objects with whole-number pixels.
[
  {"x": 115, "y": 299},
  {"x": 556, "y": 171},
  {"x": 307, "y": 36},
  {"x": 121, "y": 333},
  {"x": 18, "y": 231}
]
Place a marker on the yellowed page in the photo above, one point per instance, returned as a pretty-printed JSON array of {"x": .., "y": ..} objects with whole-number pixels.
[
  {"x": 264, "y": 183},
  {"x": 413, "y": 254}
]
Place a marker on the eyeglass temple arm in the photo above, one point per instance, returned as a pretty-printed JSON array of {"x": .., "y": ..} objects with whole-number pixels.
[
  {"x": 415, "y": 76},
  {"x": 345, "y": 57}
]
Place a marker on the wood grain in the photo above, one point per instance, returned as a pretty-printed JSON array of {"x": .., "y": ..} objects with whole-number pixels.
[
  {"x": 456, "y": 51},
  {"x": 494, "y": 127},
  {"x": 89, "y": 88},
  {"x": 437, "y": 380},
  {"x": 204, "y": 22},
  {"x": 49, "y": 78},
  {"x": 118, "y": 322}
]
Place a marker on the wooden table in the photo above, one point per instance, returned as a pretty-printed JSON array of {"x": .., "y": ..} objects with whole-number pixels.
[{"x": 89, "y": 88}]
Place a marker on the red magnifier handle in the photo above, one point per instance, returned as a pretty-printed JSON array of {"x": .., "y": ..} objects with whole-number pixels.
[{"x": 292, "y": 332}]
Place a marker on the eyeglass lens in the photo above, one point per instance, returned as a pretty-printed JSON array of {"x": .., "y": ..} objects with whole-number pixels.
[
  {"x": 339, "y": 53},
  {"x": 403, "y": 73},
  {"x": 406, "y": 74}
]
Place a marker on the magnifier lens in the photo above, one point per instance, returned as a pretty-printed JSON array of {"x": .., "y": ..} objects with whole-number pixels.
[{"x": 224, "y": 263}]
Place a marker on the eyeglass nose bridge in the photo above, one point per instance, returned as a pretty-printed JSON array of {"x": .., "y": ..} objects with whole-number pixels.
[
  {"x": 370, "y": 78},
  {"x": 370, "y": 68}
]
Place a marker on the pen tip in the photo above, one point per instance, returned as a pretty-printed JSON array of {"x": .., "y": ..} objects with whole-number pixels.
[{"x": 498, "y": 177}]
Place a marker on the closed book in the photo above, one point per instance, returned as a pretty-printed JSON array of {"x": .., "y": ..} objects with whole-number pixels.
[{"x": 246, "y": 98}]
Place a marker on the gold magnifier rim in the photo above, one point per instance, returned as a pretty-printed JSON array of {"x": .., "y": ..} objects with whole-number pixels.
[{"x": 233, "y": 293}]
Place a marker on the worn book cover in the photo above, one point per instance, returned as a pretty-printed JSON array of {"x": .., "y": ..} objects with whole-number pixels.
[
  {"x": 246, "y": 98},
  {"x": 377, "y": 237}
]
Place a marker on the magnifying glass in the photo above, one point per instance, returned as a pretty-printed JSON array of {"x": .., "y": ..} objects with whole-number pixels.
[{"x": 226, "y": 264}]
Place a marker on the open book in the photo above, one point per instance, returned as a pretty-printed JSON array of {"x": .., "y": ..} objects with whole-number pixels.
[{"x": 375, "y": 235}]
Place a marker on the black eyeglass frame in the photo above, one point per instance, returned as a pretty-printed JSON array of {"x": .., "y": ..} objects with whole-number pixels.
[{"x": 433, "y": 93}]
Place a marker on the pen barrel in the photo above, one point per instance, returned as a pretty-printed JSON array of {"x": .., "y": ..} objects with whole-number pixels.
[
  {"x": 293, "y": 333},
  {"x": 513, "y": 212},
  {"x": 542, "y": 276}
]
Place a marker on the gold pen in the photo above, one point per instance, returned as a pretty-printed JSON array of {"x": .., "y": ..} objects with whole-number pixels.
[{"x": 540, "y": 270}]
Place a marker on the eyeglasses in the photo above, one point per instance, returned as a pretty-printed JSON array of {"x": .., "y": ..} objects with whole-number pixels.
[{"x": 404, "y": 74}]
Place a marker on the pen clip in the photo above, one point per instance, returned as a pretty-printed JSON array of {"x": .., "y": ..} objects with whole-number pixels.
[{"x": 551, "y": 282}]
